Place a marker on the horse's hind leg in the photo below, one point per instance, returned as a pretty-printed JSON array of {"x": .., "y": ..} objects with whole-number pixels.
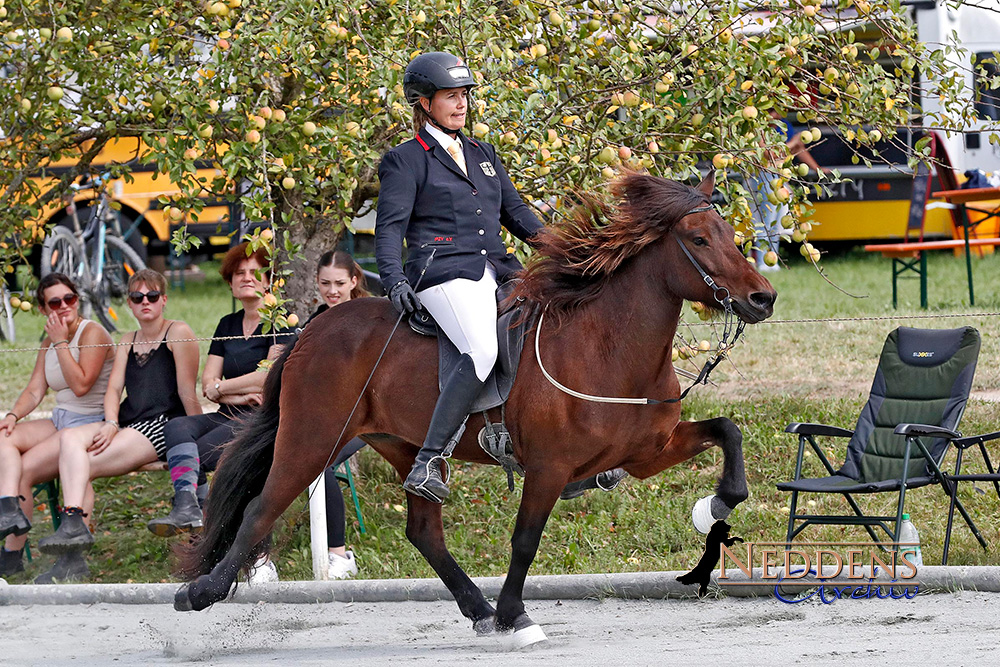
[
  {"x": 695, "y": 437},
  {"x": 425, "y": 531},
  {"x": 291, "y": 472}
]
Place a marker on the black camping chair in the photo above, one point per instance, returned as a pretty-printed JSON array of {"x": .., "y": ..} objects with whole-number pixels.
[{"x": 917, "y": 399}]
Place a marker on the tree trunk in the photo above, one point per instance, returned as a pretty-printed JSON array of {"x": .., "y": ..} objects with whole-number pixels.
[{"x": 315, "y": 237}]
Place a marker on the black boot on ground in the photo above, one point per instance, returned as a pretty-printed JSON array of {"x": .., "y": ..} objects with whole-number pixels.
[
  {"x": 11, "y": 562},
  {"x": 605, "y": 481},
  {"x": 73, "y": 534},
  {"x": 12, "y": 519},
  {"x": 185, "y": 516},
  {"x": 70, "y": 566},
  {"x": 460, "y": 391}
]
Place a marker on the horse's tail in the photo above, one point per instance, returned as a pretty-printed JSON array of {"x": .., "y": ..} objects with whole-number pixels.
[{"x": 239, "y": 478}]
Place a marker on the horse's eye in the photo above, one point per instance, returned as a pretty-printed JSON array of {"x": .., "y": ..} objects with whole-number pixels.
[{"x": 700, "y": 240}]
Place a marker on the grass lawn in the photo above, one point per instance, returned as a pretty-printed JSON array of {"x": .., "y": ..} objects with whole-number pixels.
[{"x": 781, "y": 372}]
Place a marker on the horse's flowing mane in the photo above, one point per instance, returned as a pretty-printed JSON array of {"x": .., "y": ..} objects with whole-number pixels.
[{"x": 574, "y": 258}]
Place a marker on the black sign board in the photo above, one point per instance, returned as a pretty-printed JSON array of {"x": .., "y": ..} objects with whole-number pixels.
[{"x": 918, "y": 199}]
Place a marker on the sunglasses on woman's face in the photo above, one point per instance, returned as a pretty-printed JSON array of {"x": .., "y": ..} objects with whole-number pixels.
[
  {"x": 137, "y": 297},
  {"x": 69, "y": 300}
]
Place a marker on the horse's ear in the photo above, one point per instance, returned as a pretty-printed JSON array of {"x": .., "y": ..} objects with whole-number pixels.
[{"x": 708, "y": 185}]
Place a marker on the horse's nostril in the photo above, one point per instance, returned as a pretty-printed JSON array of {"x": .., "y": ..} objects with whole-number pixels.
[{"x": 762, "y": 300}]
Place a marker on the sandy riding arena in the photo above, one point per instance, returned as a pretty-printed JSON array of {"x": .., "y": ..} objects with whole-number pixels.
[{"x": 957, "y": 627}]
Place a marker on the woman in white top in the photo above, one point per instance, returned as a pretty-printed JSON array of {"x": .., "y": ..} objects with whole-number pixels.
[{"x": 29, "y": 452}]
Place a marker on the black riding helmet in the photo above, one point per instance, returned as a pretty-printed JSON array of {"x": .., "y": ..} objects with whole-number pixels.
[{"x": 430, "y": 72}]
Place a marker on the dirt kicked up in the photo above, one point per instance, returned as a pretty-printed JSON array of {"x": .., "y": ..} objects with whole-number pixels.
[{"x": 956, "y": 627}]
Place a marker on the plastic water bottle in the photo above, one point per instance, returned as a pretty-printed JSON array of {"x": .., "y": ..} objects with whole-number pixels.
[{"x": 908, "y": 535}]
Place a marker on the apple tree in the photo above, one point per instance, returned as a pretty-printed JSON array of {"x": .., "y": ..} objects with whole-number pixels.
[{"x": 293, "y": 103}]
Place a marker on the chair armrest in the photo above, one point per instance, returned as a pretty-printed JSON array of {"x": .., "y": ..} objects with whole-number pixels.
[
  {"x": 976, "y": 439},
  {"x": 926, "y": 429},
  {"x": 818, "y": 429}
]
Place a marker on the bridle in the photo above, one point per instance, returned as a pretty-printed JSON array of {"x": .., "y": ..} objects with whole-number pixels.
[{"x": 721, "y": 295}]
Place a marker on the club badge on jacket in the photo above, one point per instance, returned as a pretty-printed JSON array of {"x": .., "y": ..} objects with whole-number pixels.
[{"x": 487, "y": 168}]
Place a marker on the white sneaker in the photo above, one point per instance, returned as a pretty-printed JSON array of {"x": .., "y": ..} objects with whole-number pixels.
[
  {"x": 342, "y": 567},
  {"x": 263, "y": 572}
]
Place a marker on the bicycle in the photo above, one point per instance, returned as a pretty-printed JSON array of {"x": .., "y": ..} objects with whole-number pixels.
[
  {"x": 94, "y": 255},
  {"x": 7, "y": 332}
]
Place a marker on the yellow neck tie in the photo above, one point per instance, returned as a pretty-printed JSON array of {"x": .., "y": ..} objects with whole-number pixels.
[{"x": 455, "y": 151}]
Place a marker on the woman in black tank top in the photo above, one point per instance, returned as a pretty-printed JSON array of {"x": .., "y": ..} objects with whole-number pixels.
[{"x": 157, "y": 367}]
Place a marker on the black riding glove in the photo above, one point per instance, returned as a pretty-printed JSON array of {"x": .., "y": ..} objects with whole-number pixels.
[{"x": 404, "y": 298}]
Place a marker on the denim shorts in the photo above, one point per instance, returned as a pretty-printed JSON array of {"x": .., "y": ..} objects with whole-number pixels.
[{"x": 63, "y": 418}]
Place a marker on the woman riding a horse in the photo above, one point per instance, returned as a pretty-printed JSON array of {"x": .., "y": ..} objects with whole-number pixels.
[
  {"x": 448, "y": 196},
  {"x": 610, "y": 284}
]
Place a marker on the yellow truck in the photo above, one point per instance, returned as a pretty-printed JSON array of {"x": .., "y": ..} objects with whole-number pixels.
[
  {"x": 875, "y": 204},
  {"x": 144, "y": 224}
]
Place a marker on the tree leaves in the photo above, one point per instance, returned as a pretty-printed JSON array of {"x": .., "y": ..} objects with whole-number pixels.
[{"x": 561, "y": 81}]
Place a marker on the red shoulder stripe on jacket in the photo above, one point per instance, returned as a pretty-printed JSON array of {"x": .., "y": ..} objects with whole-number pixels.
[{"x": 423, "y": 143}]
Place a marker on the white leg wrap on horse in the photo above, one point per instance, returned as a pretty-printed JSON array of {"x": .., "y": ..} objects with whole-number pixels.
[
  {"x": 526, "y": 637},
  {"x": 707, "y": 511}
]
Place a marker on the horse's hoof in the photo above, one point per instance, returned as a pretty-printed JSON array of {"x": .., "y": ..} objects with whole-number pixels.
[
  {"x": 526, "y": 633},
  {"x": 527, "y": 636},
  {"x": 485, "y": 626},
  {"x": 182, "y": 600}
]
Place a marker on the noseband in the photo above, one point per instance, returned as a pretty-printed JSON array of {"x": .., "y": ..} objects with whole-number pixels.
[{"x": 722, "y": 296}]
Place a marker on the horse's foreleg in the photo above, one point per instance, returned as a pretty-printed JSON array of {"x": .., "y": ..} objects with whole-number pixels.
[
  {"x": 541, "y": 491},
  {"x": 690, "y": 439},
  {"x": 425, "y": 531}
]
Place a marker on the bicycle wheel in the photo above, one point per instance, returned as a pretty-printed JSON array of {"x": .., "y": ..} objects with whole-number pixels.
[
  {"x": 61, "y": 252},
  {"x": 6, "y": 315},
  {"x": 120, "y": 263}
]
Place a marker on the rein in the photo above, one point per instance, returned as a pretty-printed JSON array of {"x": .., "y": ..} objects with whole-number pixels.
[{"x": 721, "y": 295}]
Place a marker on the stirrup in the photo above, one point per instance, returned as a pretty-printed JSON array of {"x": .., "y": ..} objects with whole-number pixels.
[
  {"x": 617, "y": 479},
  {"x": 421, "y": 489}
]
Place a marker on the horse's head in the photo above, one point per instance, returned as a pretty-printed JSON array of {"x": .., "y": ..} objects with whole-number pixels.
[
  {"x": 672, "y": 226},
  {"x": 706, "y": 265}
]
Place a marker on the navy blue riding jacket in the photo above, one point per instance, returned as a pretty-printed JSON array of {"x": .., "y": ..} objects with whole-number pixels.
[{"x": 426, "y": 199}]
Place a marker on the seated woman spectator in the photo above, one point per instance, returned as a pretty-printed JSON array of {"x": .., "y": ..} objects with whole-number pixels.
[
  {"x": 339, "y": 279},
  {"x": 157, "y": 367},
  {"x": 74, "y": 362},
  {"x": 231, "y": 379}
]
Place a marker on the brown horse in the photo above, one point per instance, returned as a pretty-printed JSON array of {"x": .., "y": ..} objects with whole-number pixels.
[{"x": 613, "y": 282}]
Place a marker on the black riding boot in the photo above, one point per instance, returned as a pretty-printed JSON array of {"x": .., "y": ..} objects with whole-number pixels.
[
  {"x": 185, "y": 516},
  {"x": 447, "y": 425},
  {"x": 605, "y": 481},
  {"x": 73, "y": 534},
  {"x": 12, "y": 519}
]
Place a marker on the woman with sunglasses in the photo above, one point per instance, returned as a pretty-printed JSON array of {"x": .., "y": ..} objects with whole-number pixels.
[
  {"x": 75, "y": 361},
  {"x": 157, "y": 367}
]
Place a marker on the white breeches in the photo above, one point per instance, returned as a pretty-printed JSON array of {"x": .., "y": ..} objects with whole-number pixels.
[{"x": 466, "y": 310}]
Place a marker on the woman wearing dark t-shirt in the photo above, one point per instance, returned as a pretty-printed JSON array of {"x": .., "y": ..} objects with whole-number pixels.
[
  {"x": 338, "y": 279},
  {"x": 231, "y": 378},
  {"x": 157, "y": 367}
]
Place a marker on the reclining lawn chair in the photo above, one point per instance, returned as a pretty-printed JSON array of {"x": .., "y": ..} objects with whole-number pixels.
[{"x": 920, "y": 390}]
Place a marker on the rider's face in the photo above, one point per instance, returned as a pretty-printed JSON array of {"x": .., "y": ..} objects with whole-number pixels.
[{"x": 448, "y": 107}]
